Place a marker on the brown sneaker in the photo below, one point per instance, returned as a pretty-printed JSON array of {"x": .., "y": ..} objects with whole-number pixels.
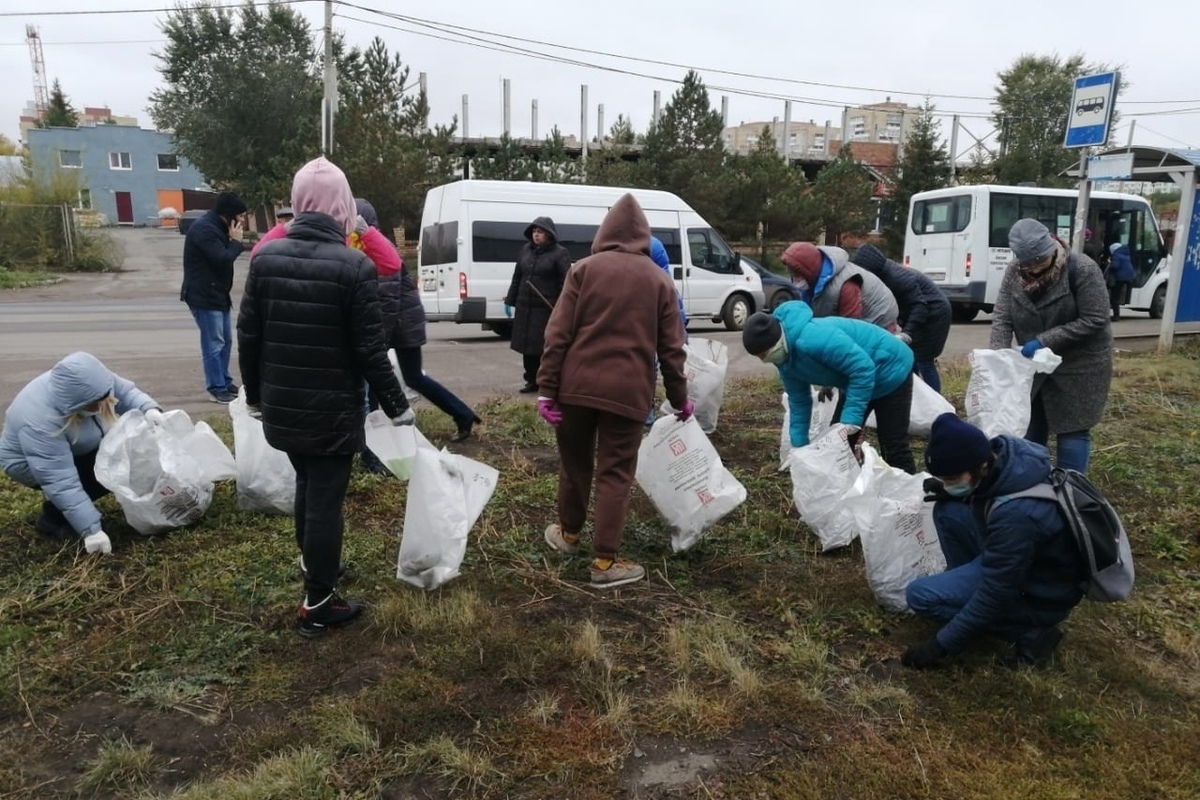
[
  {"x": 608, "y": 573},
  {"x": 560, "y": 540}
]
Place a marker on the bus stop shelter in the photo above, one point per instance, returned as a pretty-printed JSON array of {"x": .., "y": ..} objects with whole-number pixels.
[{"x": 1181, "y": 167}]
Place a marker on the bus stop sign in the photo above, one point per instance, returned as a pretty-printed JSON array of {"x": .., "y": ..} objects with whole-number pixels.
[{"x": 1091, "y": 109}]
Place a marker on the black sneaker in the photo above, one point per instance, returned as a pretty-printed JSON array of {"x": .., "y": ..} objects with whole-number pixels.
[
  {"x": 224, "y": 398},
  {"x": 528, "y": 388},
  {"x": 52, "y": 524},
  {"x": 332, "y": 612},
  {"x": 1036, "y": 650},
  {"x": 232, "y": 389}
]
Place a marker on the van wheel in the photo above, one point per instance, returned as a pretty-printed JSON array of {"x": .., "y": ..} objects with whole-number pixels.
[
  {"x": 502, "y": 329},
  {"x": 736, "y": 311},
  {"x": 963, "y": 313},
  {"x": 1159, "y": 302}
]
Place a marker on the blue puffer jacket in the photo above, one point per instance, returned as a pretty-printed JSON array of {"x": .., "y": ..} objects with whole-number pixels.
[
  {"x": 863, "y": 360},
  {"x": 37, "y": 451},
  {"x": 1029, "y": 555},
  {"x": 658, "y": 254},
  {"x": 1121, "y": 266}
]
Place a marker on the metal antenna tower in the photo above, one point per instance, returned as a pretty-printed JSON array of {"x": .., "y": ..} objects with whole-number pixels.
[{"x": 41, "y": 91}]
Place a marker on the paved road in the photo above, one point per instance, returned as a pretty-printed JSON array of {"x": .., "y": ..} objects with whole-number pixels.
[{"x": 134, "y": 322}]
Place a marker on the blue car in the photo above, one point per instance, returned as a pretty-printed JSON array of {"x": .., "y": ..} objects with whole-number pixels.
[{"x": 776, "y": 288}]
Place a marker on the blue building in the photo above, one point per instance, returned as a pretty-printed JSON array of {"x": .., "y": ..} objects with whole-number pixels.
[{"x": 126, "y": 173}]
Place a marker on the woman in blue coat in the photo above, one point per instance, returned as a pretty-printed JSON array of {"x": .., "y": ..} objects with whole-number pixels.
[
  {"x": 871, "y": 368},
  {"x": 1120, "y": 276},
  {"x": 51, "y": 434}
]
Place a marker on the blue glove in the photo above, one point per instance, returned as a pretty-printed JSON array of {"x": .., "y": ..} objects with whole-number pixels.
[
  {"x": 508, "y": 310},
  {"x": 1031, "y": 347}
]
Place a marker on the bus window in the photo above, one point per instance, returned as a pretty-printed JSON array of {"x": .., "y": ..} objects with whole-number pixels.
[
  {"x": 943, "y": 215},
  {"x": 1056, "y": 213}
]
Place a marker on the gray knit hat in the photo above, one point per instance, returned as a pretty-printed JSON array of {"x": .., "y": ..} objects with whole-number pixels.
[{"x": 1030, "y": 241}]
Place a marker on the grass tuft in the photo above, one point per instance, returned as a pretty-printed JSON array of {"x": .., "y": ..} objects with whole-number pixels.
[{"x": 119, "y": 766}]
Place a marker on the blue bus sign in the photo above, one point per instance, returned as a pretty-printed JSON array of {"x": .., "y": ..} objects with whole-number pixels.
[{"x": 1091, "y": 109}]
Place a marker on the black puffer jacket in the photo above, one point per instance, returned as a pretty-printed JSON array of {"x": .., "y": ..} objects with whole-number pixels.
[
  {"x": 924, "y": 310},
  {"x": 309, "y": 333},
  {"x": 544, "y": 268}
]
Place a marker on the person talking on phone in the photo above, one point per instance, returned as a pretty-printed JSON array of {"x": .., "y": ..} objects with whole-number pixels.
[{"x": 212, "y": 244}]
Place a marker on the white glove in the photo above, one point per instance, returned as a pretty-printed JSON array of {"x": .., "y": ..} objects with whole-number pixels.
[
  {"x": 254, "y": 411},
  {"x": 97, "y": 542},
  {"x": 904, "y": 337},
  {"x": 154, "y": 416},
  {"x": 407, "y": 418}
]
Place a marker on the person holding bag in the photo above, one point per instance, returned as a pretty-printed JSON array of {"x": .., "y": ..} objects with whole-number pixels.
[
  {"x": 51, "y": 434},
  {"x": 1051, "y": 297},
  {"x": 536, "y": 284}
]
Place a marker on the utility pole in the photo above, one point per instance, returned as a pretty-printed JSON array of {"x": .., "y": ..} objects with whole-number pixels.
[
  {"x": 954, "y": 151},
  {"x": 329, "y": 100}
]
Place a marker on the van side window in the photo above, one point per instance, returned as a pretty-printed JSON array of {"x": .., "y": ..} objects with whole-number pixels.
[
  {"x": 502, "y": 241},
  {"x": 710, "y": 252},
  {"x": 943, "y": 215},
  {"x": 670, "y": 239},
  {"x": 439, "y": 244},
  {"x": 1056, "y": 213}
]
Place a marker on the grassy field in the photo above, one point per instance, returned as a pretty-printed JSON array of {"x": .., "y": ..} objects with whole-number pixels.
[{"x": 750, "y": 667}]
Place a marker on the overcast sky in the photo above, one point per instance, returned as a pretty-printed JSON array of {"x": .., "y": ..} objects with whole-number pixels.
[{"x": 902, "y": 49}]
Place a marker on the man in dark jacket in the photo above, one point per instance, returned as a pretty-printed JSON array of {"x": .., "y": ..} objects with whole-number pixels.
[
  {"x": 212, "y": 244},
  {"x": 536, "y": 283},
  {"x": 1119, "y": 277},
  {"x": 309, "y": 333},
  {"x": 924, "y": 311},
  {"x": 1013, "y": 568},
  {"x": 618, "y": 311}
]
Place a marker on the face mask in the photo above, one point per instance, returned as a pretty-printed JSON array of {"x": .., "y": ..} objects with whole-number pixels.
[
  {"x": 777, "y": 354},
  {"x": 959, "y": 489}
]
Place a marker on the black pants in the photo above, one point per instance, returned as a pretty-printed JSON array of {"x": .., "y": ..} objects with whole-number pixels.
[
  {"x": 321, "y": 482},
  {"x": 409, "y": 359},
  {"x": 85, "y": 465},
  {"x": 532, "y": 365},
  {"x": 892, "y": 412},
  {"x": 1116, "y": 296}
]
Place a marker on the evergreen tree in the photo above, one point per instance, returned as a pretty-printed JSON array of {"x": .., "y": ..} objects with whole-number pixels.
[
  {"x": 684, "y": 152},
  {"x": 508, "y": 163},
  {"x": 765, "y": 189},
  {"x": 610, "y": 164},
  {"x": 844, "y": 191},
  {"x": 923, "y": 165},
  {"x": 553, "y": 163},
  {"x": 621, "y": 132},
  {"x": 60, "y": 113}
]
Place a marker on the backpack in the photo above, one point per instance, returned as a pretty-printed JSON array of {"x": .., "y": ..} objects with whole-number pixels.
[{"x": 1097, "y": 529}]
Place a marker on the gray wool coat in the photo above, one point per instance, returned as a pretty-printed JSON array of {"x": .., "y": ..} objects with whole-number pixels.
[{"x": 1075, "y": 325}]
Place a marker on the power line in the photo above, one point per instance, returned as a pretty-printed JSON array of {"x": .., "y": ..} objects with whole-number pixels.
[
  {"x": 108, "y": 11},
  {"x": 446, "y": 27},
  {"x": 94, "y": 41}
]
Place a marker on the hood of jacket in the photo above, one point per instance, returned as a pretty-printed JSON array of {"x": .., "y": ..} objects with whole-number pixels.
[
  {"x": 320, "y": 186},
  {"x": 1019, "y": 464},
  {"x": 625, "y": 229},
  {"x": 546, "y": 224},
  {"x": 367, "y": 212},
  {"x": 78, "y": 381},
  {"x": 793, "y": 316},
  {"x": 870, "y": 258},
  {"x": 658, "y": 254}
]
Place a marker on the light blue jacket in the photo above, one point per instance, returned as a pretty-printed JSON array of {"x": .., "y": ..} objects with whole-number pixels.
[
  {"x": 862, "y": 360},
  {"x": 36, "y": 449}
]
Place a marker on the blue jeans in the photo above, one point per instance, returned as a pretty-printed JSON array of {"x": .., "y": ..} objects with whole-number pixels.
[
  {"x": 943, "y": 596},
  {"x": 409, "y": 359},
  {"x": 929, "y": 373},
  {"x": 1074, "y": 448},
  {"x": 216, "y": 340}
]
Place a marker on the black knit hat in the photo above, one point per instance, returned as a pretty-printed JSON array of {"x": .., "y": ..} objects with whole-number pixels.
[
  {"x": 229, "y": 204},
  {"x": 760, "y": 333},
  {"x": 955, "y": 447}
]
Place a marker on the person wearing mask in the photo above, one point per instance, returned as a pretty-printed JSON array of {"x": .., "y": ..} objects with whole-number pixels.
[
  {"x": 924, "y": 312},
  {"x": 404, "y": 324},
  {"x": 1120, "y": 276},
  {"x": 212, "y": 244},
  {"x": 52, "y": 431},
  {"x": 834, "y": 286},
  {"x": 536, "y": 284},
  {"x": 1051, "y": 297},
  {"x": 871, "y": 368},
  {"x": 1013, "y": 568},
  {"x": 309, "y": 334},
  {"x": 617, "y": 313}
]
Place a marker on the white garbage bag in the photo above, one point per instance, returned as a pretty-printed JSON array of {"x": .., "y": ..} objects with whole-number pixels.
[
  {"x": 899, "y": 541},
  {"x": 822, "y": 419},
  {"x": 682, "y": 474},
  {"x": 215, "y": 460},
  {"x": 707, "y": 363},
  {"x": 826, "y": 480},
  {"x": 998, "y": 393},
  {"x": 395, "y": 446},
  {"x": 446, "y": 495},
  {"x": 266, "y": 479},
  {"x": 157, "y": 481},
  {"x": 927, "y": 405},
  {"x": 412, "y": 394}
]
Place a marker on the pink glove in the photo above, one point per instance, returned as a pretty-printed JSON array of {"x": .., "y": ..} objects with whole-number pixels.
[
  {"x": 685, "y": 413},
  {"x": 548, "y": 410}
]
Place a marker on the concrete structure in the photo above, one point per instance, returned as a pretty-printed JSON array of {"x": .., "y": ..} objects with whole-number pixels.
[
  {"x": 91, "y": 115},
  {"x": 126, "y": 174},
  {"x": 877, "y": 122}
]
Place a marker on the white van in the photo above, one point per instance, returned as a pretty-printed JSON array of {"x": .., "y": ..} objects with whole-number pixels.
[
  {"x": 472, "y": 232},
  {"x": 959, "y": 238}
]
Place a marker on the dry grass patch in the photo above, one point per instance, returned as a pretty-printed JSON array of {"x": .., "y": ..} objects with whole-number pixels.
[{"x": 120, "y": 766}]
